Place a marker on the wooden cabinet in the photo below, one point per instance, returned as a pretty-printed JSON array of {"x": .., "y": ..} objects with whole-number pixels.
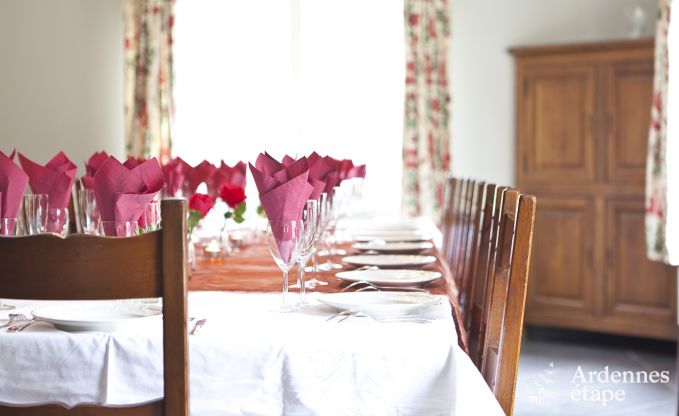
[{"x": 582, "y": 120}]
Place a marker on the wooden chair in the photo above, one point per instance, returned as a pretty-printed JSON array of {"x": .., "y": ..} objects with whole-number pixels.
[
  {"x": 469, "y": 257},
  {"x": 85, "y": 267},
  {"x": 475, "y": 312},
  {"x": 507, "y": 288},
  {"x": 447, "y": 216}
]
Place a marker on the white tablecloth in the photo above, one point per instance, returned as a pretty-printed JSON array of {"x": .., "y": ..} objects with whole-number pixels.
[{"x": 248, "y": 360}]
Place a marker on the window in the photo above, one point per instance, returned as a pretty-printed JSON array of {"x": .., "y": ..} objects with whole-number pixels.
[{"x": 293, "y": 76}]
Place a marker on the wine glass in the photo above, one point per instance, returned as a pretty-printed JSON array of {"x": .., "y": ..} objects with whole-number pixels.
[
  {"x": 152, "y": 216},
  {"x": 118, "y": 228},
  {"x": 306, "y": 247},
  {"x": 35, "y": 212},
  {"x": 89, "y": 211},
  {"x": 332, "y": 213},
  {"x": 57, "y": 221},
  {"x": 284, "y": 238},
  {"x": 9, "y": 227},
  {"x": 320, "y": 226}
]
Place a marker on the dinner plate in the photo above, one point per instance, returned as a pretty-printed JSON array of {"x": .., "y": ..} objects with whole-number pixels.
[
  {"x": 393, "y": 277},
  {"x": 379, "y": 304},
  {"x": 394, "y": 246},
  {"x": 393, "y": 237},
  {"x": 389, "y": 260},
  {"x": 106, "y": 316}
]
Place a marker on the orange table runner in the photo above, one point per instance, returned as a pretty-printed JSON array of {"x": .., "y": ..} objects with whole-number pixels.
[{"x": 252, "y": 269}]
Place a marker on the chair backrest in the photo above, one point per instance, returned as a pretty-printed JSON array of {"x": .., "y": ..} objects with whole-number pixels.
[
  {"x": 450, "y": 193},
  {"x": 507, "y": 288},
  {"x": 145, "y": 266},
  {"x": 468, "y": 263},
  {"x": 475, "y": 318}
]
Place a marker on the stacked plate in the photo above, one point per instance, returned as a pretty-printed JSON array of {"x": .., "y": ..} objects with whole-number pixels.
[
  {"x": 379, "y": 304},
  {"x": 394, "y": 247},
  {"x": 106, "y": 316}
]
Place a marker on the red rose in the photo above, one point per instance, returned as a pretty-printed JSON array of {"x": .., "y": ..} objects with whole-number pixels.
[
  {"x": 232, "y": 194},
  {"x": 201, "y": 203}
]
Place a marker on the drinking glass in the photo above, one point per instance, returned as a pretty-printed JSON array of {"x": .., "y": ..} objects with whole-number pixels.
[
  {"x": 152, "y": 216},
  {"x": 57, "y": 221},
  {"x": 283, "y": 238},
  {"x": 118, "y": 228},
  {"x": 9, "y": 227},
  {"x": 89, "y": 211},
  {"x": 332, "y": 213},
  {"x": 35, "y": 212},
  {"x": 320, "y": 226},
  {"x": 306, "y": 246}
]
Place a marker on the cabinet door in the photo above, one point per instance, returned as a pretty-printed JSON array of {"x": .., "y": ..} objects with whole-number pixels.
[
  {"x": 629, "y": 96},
  {"x": 640, "y": 292},
  {"x": 561, "y": 280},
  {"x": 556, "y": 133}
]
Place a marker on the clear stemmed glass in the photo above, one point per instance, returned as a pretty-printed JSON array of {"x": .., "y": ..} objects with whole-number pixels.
[
  {"x": 320, "y": 226},
  {"x": 35, "y": 212},
  {"x": 152, "y": 216},
  {"x": 9, "y": 227},
  {"x": 57, "y": 221},
  {"x": 284, "y": 238},
  {"x": 306, "y": 247},
  {"x": 118, "y": 228},
  {"x": 89, "y": 211},
  {"x": 332, "y": 213}
]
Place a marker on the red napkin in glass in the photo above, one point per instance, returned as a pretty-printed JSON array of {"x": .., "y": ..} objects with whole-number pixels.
[
  {"x": 91, "y": 166},
  {"x": 133, "y": 162},
  {"x": 357, "y": 172},
  {"x": 174, "y": 175},
  {"x": 287, "y": 160},
  {"x": 201, "y": 173},
  {"x": 283, "y": 196},
  {"x": 13, "y": 183},
  {"x": 267, "y": 164},
  {"x": 121, "y": 193},
  {"x": 226, "y": 174},
  {"x": 54, "y": 179}
]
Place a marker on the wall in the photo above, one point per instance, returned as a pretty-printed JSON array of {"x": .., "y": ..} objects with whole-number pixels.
[
  {"x": 61, "y": 77},
  {"x": 483, "y": 75}
]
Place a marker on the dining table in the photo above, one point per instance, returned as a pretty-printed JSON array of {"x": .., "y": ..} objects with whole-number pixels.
[{"x": 250, "y": 359}]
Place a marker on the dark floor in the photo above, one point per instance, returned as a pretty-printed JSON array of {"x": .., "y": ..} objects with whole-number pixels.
[{"x": 550, "y": 384}]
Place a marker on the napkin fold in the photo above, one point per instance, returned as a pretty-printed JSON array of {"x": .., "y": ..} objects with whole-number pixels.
[
  {"x": 174, "y": 173},
  {"x": 283, "y": 194},
  {"x": 287, "y": 160},
  {"x": 54, "y": 179},
  {"x": 91, "y": 166},
  {"x": 13, "y": 183},
  {"x": 235, "y": 175},
  {"x": 121, "y": 192},
  {"x": 201, "y": 173}
]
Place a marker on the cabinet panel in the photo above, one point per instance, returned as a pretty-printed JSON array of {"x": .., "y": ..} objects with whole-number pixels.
[
  {"x": 556, "y": 137},
  {"x": 637, "y": 289},
  {"x": 630, "y": 90},
  {"x": 562, "y": 275}
]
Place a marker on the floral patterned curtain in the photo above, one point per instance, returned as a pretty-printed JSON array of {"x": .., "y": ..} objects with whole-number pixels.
[
  {"x": 656, "y": 165},
  {"x": 148, "y": 77},
  {"x": 426, "y": 152}
]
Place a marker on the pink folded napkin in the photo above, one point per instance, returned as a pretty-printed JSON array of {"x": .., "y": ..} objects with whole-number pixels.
[
  {"x": 91, "y": 166},
  {"x": 283, "y": 195},
  {"x": 133, "y": 162},
  {"x": 174, "y": 173},
  {"x": 13, "y": 183},
  {"x": 356, "y": 172},
  {"x": 287, "y": 160},
  {"x": 235, "y": 175},
  {"x": 121, "y": 192},
  {"x": 54, "y": 179},
  {"x": 201, "y": 173}
]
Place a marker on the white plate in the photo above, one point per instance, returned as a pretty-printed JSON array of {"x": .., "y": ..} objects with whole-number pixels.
[
  {"x": 379, "y": 304},
  {"x": 389, "y": 260},
  {"x": 106, "y": 316},
  {"x": 395, "y": 277},
  {"x": 394, "y": 247},
  {"x": 386, "y": 237}
]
